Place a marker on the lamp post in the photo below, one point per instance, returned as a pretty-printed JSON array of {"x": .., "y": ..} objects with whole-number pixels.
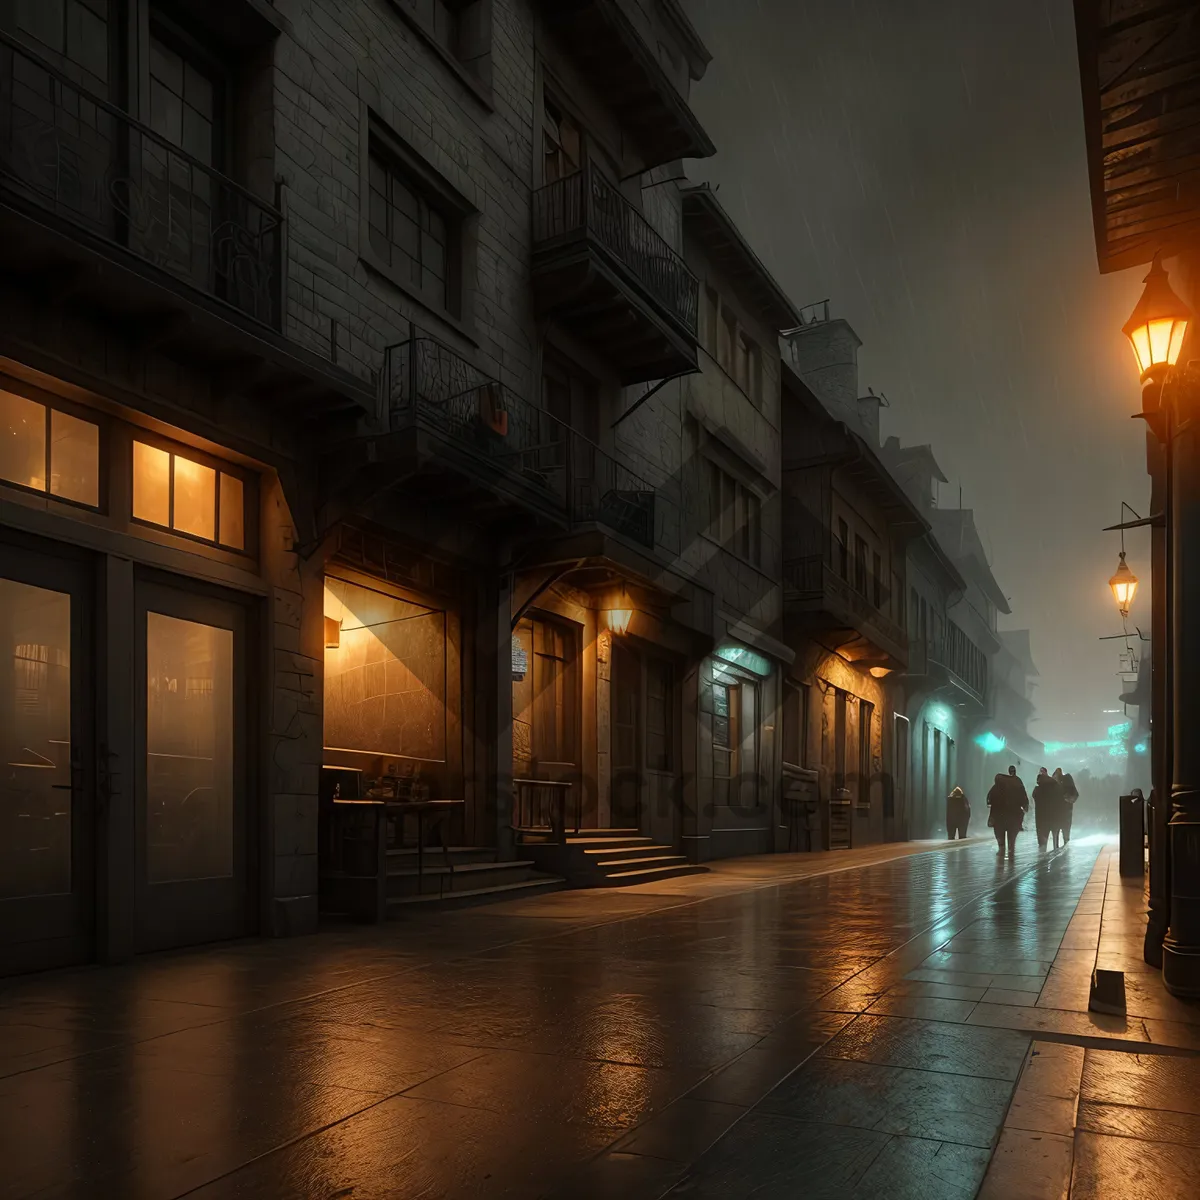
[{"x": 1171, "y": 406}]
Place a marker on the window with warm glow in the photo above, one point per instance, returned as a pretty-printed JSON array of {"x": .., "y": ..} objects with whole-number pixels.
[
  {"x": 48, "y": 450},
  {"x": 189, "y": 497}
]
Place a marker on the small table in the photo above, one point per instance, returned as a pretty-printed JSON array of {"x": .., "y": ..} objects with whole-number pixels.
[{"x": 438, "y": 812}]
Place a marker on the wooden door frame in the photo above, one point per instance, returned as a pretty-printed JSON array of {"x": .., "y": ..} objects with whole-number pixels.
[
  {"x": 191, "y": 605},
  {"x": 51, "y": 564}
]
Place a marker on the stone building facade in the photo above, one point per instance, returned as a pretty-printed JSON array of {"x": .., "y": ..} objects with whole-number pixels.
[{"x": 342, "y": 354}]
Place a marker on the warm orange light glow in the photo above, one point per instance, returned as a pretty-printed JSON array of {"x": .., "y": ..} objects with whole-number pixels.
[
  {"x": 1124, "y": 586},
  {"x": 333, "y": 633},
  {"x": 618, "y": 619},
  {"x": 1158, "y": 324},
  {"x": 881, "y": 672}
]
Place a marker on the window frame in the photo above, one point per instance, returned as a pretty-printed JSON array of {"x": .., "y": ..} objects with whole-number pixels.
[
  {"x": 866, "y": 732},
  {"x": 378, "y": 142},
  {"x": 478, "y": 80},
  {"x": 51, "y": 402},
  {"x": 795, "y": 723},
  {"x": 249, "y": 481}
]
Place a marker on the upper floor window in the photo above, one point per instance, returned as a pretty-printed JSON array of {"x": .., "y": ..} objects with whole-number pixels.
[
  {"x": 412, "y": 232},
  {"x": 877, "y": 581},
  {"x": 76, "y": 29},
  {"x": 184, "y": 99},
  {"x": 734, "y": 514},
  {"x": 461, "y": 32},
  {"x": 842, "y": 538},
  {"x": 181, "y": 493},
  {"x": 562, "y": 144},
  {"x": 860, "y": 565},
  {"x": 735, "y": 351},
  {"x": 46, "y": 449}
]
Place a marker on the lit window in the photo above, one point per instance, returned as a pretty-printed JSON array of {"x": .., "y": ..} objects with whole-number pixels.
[
  {"x": 49, "y": 451},
  {"x": 188, "y": 497}
]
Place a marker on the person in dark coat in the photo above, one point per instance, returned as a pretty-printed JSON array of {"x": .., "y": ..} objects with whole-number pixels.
[
  {"x": 1047, "y": 808},
  {"x": 1070, "y": 793},
  {"x": 1007, "y": 804},
  {"x": 958, "y": 814}
]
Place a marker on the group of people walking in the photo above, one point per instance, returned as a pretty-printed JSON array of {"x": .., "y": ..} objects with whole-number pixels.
[{"x": 1054, "y": 799}]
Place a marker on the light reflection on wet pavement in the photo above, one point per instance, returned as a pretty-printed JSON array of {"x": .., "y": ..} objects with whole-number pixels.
[{"x": 721, "y": 1036}]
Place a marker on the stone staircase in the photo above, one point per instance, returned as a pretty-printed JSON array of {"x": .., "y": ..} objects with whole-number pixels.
[
  {"x": 478, "y": 877},
  {"x": 609, "y": 858}
]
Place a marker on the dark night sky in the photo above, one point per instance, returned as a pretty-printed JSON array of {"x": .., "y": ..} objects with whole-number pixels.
[{"x": 921, "y": 163}]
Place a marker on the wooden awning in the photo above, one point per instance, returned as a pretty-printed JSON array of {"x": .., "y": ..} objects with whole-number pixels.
[{"x": 1139, "y": 64}]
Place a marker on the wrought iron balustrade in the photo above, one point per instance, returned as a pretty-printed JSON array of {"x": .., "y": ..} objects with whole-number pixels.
[
  {"x": 812, "y": 578},
  {"x": 586, "y": 205},
  {"x": 429, "y": 385},
  {"x": 85, "y": 161}
]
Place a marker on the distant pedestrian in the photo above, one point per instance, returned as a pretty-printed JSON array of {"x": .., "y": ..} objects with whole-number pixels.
[
  {"x": 958, "y": 814},
  {"x": 1007, "y": 805},
  {"x": 1047, "y": 808},
  {"x": 1070, "y": 793}
]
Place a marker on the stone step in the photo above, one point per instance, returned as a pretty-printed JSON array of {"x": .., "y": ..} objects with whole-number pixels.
[
  {"x": 598, "y": 853},
  {"x": 437, "y": 878},
  {"x": 407, "y": 855},
  {"x": 610, "y": 865},
  {"x": 648, "y": 875},
  {"x": 539, "y": 886}
]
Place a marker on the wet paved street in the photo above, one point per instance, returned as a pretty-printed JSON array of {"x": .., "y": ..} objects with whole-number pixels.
[{"x": 782, "y": 1027}]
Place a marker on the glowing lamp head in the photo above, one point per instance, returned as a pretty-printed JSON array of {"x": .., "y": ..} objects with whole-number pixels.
[
  {"x": 1158, "y": 324},
  {"x": 1124, "y": 586},
  {"x": 618, "y": 619},
  {"x": 880, "y": 672},
  {"x": 333, "y": 633}
]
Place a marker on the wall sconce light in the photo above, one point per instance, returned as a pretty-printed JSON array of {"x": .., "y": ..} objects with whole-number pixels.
[
  {"x": 333, "y": 633},
  {"x": 880, "y": 672},
  {"x": 618, "y": 620}
]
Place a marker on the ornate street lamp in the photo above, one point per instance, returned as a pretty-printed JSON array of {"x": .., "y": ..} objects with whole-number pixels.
[
  {"x": 1124, "y": 586},
  {"x": 1157, "y": 326},
  {"x": 1157, "y": 330}
]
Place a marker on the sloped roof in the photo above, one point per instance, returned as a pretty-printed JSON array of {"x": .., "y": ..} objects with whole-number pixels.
[
  {"x": 707, "y": 221},
  {"x": 955, "y": 528}
]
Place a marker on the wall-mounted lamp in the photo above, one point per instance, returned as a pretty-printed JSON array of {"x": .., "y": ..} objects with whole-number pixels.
[
  {"x": 333, "y": 633},
  {"x": 880, "y": 672},
  {"x": 618, "y": 619}
]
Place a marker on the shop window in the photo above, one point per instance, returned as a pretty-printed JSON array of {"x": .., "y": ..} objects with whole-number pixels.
[
  {"x": 866, "y": 727},
  {"x": 48, "y": 450},
  {"x": 177, "y": 492},
  {"x": 726, "y": 740},
  {"x": 659, "y": 755},
  {"x": 795, "y": 724},
  {"x": 385, "y": 674},
  {"x": 35, "y": 741},
  {"x": 544, "y": 701}
]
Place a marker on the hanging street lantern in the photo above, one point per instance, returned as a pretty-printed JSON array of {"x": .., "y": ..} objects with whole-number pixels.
[
  {"x": 1158, "y": 324},
  {"x": 1124, "y": 586}
]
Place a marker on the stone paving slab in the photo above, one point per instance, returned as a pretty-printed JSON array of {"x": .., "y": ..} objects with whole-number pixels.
[{"x": 711, "y": 1037}]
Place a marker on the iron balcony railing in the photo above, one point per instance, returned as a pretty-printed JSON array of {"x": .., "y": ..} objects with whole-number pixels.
[
  {"x": 428, "y": 385},
  {"x": 586, "y": 205},
  {"x": 87, "y": 162},
  {"x": 812, "y": 578}
]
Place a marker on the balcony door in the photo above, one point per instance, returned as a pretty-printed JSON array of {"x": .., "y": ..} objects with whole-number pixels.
[
  {"x": 192, "y": 768},
  {"x": 47, "y": 812}
]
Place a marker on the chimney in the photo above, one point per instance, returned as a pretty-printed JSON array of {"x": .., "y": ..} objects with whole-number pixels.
[
  {"x": 825, "y": 355},
  {"x": 868, "y": 417}
]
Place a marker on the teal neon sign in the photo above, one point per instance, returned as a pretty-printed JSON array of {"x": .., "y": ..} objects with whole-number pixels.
[
  {"x": 990, "y": 743},
  {"x": 744, "y": 657}
]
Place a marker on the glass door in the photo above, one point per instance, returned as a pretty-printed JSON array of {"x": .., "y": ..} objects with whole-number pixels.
[
  {"x": 47, "y": 864},
  {"x": 192, "y": 769}
]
